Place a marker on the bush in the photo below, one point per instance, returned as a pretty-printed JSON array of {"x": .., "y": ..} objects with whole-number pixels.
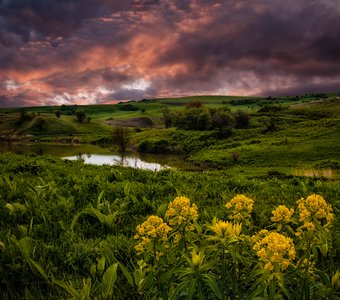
[
  {"x": 270, "y": 108},
  {"x": 242, "y": 119},
  {"x": 194, "y": 104},
  {"x": 155, "y": 147},
  {"x": 193, "y": 119},
  {"x": 129, "y": 107}
]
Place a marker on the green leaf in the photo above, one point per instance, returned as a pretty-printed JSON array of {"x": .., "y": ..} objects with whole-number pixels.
[
  {"x": 101, "y": 265},
  {"x": 109, "y": 279},
  {"x": 162, "y": 209},
  {"x": 100, "y": 196},
  {"x": 36, "y": 267},
  {"x": 126, "y": 274},
  {"x": 211, "y": 282},
  {"x": 10, "y": 207},
  {"x": 192, "y": 288},
  {"x": 127, "y": 189},
  {"x": 74, "y": 220},
  {"x": 25, "y": 245},
  {"x": 68, "y": 288},
  {"x": 93, "y": 270}
]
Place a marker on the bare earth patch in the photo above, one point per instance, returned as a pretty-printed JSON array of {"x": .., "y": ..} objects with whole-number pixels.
[{"x": 133, "y": 122}]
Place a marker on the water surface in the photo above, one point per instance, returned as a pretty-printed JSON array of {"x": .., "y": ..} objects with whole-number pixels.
[{"x": 98, "y": 155}]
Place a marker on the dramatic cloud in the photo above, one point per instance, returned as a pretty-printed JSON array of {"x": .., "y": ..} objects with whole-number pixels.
[{"x": 84, "y": 51}]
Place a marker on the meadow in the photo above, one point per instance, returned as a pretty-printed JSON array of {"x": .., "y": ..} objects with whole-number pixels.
[{"x": 255, "y": 222}]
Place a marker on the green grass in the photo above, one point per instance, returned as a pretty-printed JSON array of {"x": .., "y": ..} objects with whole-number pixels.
[{"x": 51, "y": 225}]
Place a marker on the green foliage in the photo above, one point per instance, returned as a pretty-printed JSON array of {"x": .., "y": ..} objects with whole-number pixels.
[
  {"x": 128, "y": 107},
  {"x": 64, "y": 225},
  {"x": 242, "y": 119},
  {"x": 194, "y": 104},
  {"x": 121, "y": 137},
  {"x": 23, "y": 117},
  {"x": 81, "y": 116},
  {"x": 193, "y": 119},
  {"x": 57, "y": 113},
  {"x": 39, "y": 123}
]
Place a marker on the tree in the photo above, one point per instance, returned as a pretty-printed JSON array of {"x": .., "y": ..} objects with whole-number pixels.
[
  {"x": 193, "y": 119},
  {"x": 58, "y": 114},
  {"x": 222, "y": 120},
  {"x": 121, "y": 137},
  {"x": 167, "y": 117},
  {"x": 40, "y": 123},
  {"x": 80, "y": 114}
]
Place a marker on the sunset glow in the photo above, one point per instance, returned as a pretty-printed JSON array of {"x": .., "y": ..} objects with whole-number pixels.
[{"x": 92, "y": 52}]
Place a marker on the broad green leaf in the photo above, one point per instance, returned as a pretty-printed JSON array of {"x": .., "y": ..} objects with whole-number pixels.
[
  {"x": 109, "y": 279},
  {"x": 126, "y": 274},
  {"x": 36, "y": 267},
  {"x": 127, "y": 189},
  {"x": 100, "y": 196},
  {"x": 101, "y": 265},
  {"x": 162, "y": 209}
]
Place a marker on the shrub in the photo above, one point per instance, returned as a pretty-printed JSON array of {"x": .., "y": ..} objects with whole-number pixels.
[
  {"x": 193, "y": 119},
  {"x": 194, "y": 104},
  {"x": 155, "y": 147},
  {"x": 242, "y": 119},
  {"x": 121, "y": 137},
  {"x": 129, "y": 107}
]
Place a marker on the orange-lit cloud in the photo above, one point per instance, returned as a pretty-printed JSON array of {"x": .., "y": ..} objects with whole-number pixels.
[{"x": 86, "y": 51}]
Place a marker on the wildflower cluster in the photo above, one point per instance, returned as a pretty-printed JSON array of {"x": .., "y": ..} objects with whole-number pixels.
[
  {"x": 152, "y": 230},
  {"x": 180, "y": 212},
  {"x": 282, "y": 214},
  {"x": 225, "y": 230},
  {"x": 275, "y": 250},
  {"x": 315, "y": 209},
  {"x": 240, "y": 208}
]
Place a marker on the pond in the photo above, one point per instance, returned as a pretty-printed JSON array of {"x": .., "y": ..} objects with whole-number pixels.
[
  {"x": 93, "y": 154},
  {"x": 119, "y": 160}
]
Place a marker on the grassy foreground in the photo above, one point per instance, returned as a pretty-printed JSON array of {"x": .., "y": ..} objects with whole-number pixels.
[{"x": 68, "y": 230}]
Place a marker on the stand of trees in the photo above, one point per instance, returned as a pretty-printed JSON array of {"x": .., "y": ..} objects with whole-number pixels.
[{"x": 198, "y": 117}]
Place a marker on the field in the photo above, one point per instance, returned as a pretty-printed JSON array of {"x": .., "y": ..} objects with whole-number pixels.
[{"x": 258, "y": 220}]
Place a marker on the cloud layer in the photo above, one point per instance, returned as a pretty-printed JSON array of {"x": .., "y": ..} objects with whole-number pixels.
[{"x": 84, "y": 51}]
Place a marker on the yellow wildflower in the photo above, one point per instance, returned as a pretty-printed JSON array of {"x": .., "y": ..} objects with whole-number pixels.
[
  {"x": 153, "y": 229},
  {"x": 282, "y": 214},
  {"x": 315, "y": 209},
  {"x": 240, "y": 208},
  {"x": 274, "y": 249},
  {"x": 181, "y": 212},
  {"x": 226, "y": 229},
  {"x": 196, "y": 258}
]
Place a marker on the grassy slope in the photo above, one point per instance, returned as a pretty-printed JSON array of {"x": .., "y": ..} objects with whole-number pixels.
[{"x": 307, "y": 132}]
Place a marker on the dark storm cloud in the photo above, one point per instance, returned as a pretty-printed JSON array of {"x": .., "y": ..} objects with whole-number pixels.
[
  {"x": 90, "y": 51},
  {"x": 38, "y": 18}
]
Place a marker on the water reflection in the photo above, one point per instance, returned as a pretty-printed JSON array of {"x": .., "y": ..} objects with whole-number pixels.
[{"x": 117, "y": 160}]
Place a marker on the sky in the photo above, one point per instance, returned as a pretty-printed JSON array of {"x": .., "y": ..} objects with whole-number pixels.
[{"x": 55, "y": 52}]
